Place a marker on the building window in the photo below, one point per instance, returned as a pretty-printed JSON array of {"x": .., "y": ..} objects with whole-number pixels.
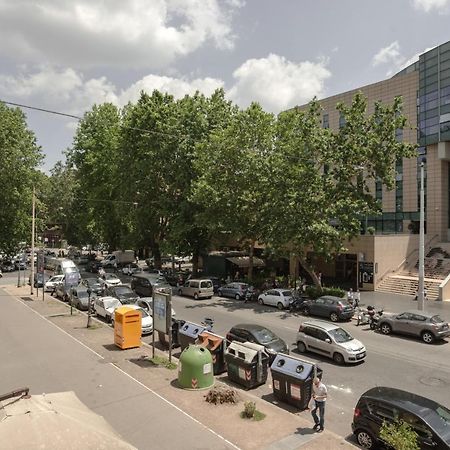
[
  {"x": 398, "y": 196},
  {"x": 399, "y": 134},
  {"x": 325, "y": 121},
  {"x": 341, "y": 120},
  {"x": 378, "y": 191}
]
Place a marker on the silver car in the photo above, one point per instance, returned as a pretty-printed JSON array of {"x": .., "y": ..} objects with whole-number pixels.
[
  {"x": 427, "y": 326},
  {"x": 329, "y": 340}
]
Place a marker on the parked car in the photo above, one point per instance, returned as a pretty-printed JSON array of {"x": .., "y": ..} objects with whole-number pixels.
[
  {"x": 146, "y": 319},
  {"x": 62, "y": 291},
  {"x": 79, "y": 297},
  {"x": 144, "y": 284},
  {"x": 105, "y": 307},
  {"x": 147, "y": 304},
  {"x": 217, "y": 283},
  {"x": 328, "y": 339},
  {"x": 8, "y": 266},
  {"x": 93, "y": 285},
  {"x": 197, "y": 288},
  {"x": 130, "y": 269},
  {"x": 334, "y": 308},
  {"x": 428, "y": 326},
  {"x": 20, "y": 264},
  {"x": 248, "y": 332},
  {"x": 281, "y": 298},
  {"x": 429, "y": 419},
  {"x": 93, "y": 266},
  {"x": 175, "y": 279},
  {"x": 125, "y": 294},
  {"x": 39, "y": 279},
  {"x": 51, "y": 283},
  {"x": 109, "y": 279},
  {"x": 234, "y": 290}
]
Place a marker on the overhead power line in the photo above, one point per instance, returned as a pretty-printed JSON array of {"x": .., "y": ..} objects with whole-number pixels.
[{"x": 72, "y": 116}]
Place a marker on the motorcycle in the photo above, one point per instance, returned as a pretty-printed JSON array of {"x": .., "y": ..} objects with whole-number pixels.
[
  {"x": 363, "y": 316},
  {"x": 296, "y": 303},
  {"x": 375, "y": 319}
]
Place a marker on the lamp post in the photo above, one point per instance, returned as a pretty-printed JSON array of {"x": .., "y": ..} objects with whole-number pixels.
[
  {"x": 32, "y": 241},
  {"x": 420, "y": 292},
  {"x": 89, "y": 292}
]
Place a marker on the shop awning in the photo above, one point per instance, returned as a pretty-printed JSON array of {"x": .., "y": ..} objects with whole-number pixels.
[{"x": 244, "y": 261}]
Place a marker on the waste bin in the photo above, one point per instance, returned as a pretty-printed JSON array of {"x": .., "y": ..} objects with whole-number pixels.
[
  {"x": 164, "y": 338},
  {"x": 127, "y": 327},
  {"x": 195, "y": 368},
  {"x": 188, "y": 334},
  {"x": 247, "y": 364},
  {"x": 216, "y": 345},
  {"x": 292, "y": 379}
]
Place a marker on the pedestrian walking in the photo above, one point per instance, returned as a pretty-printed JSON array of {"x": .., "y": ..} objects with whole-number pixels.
[
  {"x": 425, "y": 297},
  {"x": 319, "y": 396},
  {"x": 350, "y": 297},
  {"x": 356, "y": 298}
]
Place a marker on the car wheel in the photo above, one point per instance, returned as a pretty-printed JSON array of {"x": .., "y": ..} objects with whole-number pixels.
[
  {"x": 427, "y": 337},
  {"x": 237, "y": 297},
  {"x": 301, "y": 347},
  {"x": 334, "y": 317},
  {"x": 180, "y": 291},
  {"x": 385, "y": 328},
  {"x": 365, "y": 439},
  {"x": 195, "y": 296},
  {"x": 260, "y": 301},
  {"x": 305, "y": 311},
  {"x": 280, "y": 306},
  {"x": 338, "y": 358}
]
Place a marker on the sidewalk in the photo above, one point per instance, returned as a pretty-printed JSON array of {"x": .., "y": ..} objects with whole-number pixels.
[{"x": 280, "y": 430}]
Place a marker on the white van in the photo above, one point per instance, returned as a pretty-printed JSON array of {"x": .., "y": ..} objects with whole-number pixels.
[{"x": 198, "y": 288}]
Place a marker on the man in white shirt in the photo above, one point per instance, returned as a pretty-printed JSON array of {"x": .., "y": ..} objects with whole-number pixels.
[{"x": 319, "y": 396}]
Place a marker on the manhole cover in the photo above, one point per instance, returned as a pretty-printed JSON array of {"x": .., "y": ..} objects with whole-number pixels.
[
  {"x": 27, "y": 299},
  {"x": 432, "y": 381}
]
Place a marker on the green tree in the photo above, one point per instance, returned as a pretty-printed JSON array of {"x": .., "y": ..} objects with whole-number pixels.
[
  {"x": 321, "y": 179},
  {"x": 232, "y": 175},
  {"x": 20, "y": 158},
  {"x": 399, "y": 435}
]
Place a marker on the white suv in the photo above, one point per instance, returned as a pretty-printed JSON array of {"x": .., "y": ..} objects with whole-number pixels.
[{"x": 330, "y": 340}]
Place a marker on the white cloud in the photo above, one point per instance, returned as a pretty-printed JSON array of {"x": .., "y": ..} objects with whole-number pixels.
[
  {"x": 132, "y": 33},
  {"x": 429, "y": 5},
  {"x": 389, "y": 54},
  {"x": 277, "y": 83}
]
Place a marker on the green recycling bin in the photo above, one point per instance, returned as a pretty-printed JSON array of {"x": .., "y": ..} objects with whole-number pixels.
[{"x": 195, "y": 368}]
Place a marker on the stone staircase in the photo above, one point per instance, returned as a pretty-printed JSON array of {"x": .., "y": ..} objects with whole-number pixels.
[{"x": 405, "y": 281}]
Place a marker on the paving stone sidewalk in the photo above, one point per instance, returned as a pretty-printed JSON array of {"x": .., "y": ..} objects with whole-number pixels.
[{"x": 280, "y": 430}]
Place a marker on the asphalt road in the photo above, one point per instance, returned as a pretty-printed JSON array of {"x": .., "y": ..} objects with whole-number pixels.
[{"x": 37, "y": 354}]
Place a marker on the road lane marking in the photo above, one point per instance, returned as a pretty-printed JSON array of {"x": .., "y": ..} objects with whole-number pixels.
[{"x": 129, "y": 376}]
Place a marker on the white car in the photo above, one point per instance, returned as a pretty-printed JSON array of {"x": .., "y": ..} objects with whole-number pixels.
[
  {"x": 147, "y": 304},
  {"x": 329, "y": 339},
  {"x": 146, "y": 319},
  {"x": 131, "y": 269},
  {"x": 108, "y": 280},
  {"x": 105, "y": 307},
  {"x": 50, "y": 285},
  {"x": 281, "y": 298}
]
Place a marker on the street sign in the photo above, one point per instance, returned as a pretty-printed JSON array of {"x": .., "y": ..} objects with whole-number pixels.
[{"x": 162, "y": 312}]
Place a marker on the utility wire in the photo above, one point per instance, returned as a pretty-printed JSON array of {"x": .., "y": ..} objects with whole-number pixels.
[{"x": 72, "y": 116}]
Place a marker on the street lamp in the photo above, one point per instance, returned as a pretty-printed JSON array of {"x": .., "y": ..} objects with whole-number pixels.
[
  {"x": 89, "y": 292},
  {"x": 420, "y": 296}
]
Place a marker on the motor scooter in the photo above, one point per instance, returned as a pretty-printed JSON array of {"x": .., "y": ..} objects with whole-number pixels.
[
  {"x": 363, "y": 316},
  {"x": 375, "y": 319}
]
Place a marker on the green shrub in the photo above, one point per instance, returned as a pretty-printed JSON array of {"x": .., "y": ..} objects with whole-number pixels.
[
  {"x": 250, "y": 412},
  {"x": 315, "y": 291},
  {"x": 399, "y": 435}
]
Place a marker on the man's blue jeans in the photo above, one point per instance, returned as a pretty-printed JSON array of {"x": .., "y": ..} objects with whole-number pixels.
[{"x": 321, "y": 407}]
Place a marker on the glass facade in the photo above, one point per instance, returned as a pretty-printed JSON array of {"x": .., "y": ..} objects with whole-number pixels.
[{"x": 434, "y": 96}]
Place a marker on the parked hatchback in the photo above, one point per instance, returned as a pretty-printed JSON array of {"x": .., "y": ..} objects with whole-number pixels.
[
  {"x": 429, "y": 419},
  {"x": 427, "y": 326},
  {"x": 122, "y": 292},
  {"x": 329, "y": 340},
  {"x": 328, "y": 306},
  {"x": 234, "y": 290},
  {"x": 249, "y": 332},
  {"x": 281, "y": 298},
  {"x": 144, "y": 284},
  {"x": 197, "y": 288}
]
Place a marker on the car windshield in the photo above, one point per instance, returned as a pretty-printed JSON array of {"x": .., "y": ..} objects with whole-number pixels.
[
  {"x": 91, "y": 281},
  {"x": 264, "y": 336},
  {"x": 110, "y": 276},
  {"x": 436, "y": 319},
  {"x": 440, "y": 420},
  {"x": 112, "y": 303},
  {"x": 144, "y": 312},
  {"x": 82, "y": 294},
  {"x": 287, "y": 293},
  {"x": 122, "y": 290},
  {"x": 340, "y": 335}
]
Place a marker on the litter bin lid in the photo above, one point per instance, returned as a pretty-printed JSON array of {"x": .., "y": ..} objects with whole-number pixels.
[
  {"x": 191, "y": 329},
  {"x": 253, "y": 346},
  {"x": 295, "y": 367},
  {"x": 210, "y": 340},
  {"x": 241, "y": 351}
]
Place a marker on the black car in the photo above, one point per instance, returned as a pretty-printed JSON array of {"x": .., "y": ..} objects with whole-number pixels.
[
  {"x": 8, "y": 266},
  {"x": 79, "y": 297},
  {"x": 123, "y": 293},
  {"x": 93, "y": 266},
  {"x": 216, "y": 283},
  {"x": 333, "y": 308},
  {"x": 93, "y": 284},
  {"x": 144, "y": 283},
  {"x": 248, "y": 332},
  {"x": 430, "y": 420}
]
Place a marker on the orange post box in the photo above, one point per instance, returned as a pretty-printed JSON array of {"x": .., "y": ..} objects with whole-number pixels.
[{"x": 127, "y": 327}]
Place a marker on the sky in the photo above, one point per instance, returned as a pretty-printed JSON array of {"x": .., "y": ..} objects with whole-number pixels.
[{"x": 71, "y": 54}]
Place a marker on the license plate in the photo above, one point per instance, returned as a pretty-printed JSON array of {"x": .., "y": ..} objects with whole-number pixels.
[{"x": 360, "y": 356}]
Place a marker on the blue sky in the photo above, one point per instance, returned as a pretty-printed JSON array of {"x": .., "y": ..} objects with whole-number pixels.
[{"x": 70, "y": 54}]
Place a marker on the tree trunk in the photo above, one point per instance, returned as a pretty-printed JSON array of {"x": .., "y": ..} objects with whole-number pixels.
[
  {"x": 250, "y": 260},
  {"x": 156, "y": 253},
  {"x": 310, "y": 271},
  {"x": 195, "y": 256}
]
